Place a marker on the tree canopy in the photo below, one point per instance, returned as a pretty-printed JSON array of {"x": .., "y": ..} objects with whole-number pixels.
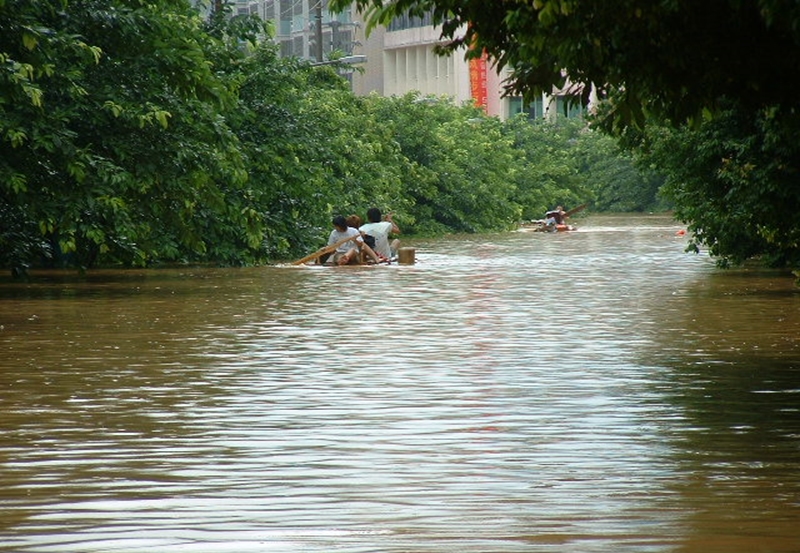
[
  {"x": 110, "y": 139},
  {"x": 734, "y": 180},
  {"x": 673, "y": 58}
]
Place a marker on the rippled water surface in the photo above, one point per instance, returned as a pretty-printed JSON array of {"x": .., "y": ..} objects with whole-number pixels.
[{"x": 592, "y": 391}]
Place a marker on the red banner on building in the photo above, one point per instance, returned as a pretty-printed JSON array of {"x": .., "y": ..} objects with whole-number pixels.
[{"x": 477, "y": 80}]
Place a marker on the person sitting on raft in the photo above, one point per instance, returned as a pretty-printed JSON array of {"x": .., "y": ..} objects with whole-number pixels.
[
  {"x": 380, "y": 228},
  {"x": 348, "y": 252},
  {"x": 555, "y": 217}
]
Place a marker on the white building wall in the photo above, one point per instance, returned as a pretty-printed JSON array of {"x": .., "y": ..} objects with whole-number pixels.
[
  {"x": 398, "y": 62},
  {"x": 417, "y": 68},
  {"x": 411, "y": 65}
]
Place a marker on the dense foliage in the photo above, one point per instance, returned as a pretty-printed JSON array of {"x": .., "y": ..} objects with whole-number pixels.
[
  {"x": 111, "y": 140},
  {"x": 734, "y": 180},
  {"x": 134, "y": 133}
]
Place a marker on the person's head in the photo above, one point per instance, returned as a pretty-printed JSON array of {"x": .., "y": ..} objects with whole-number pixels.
[
  {"x": 354, "y": 221},
  {"x": 340, "y": 223},
  {"x": 374, "y": 215}
]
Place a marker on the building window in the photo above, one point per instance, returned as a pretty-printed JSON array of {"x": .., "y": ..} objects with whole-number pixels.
[
  {"x": 285, "y": 22},
  {"x": 569, "y": 106},
  {"x": 534, "y": 110},
  {"x": 287, "y": 48},
  {"x": 407, "y": 21},
  {"x": 246, "y": 7}
]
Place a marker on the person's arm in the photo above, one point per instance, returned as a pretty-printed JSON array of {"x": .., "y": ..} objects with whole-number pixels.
[{"x": 395, "y": 228}]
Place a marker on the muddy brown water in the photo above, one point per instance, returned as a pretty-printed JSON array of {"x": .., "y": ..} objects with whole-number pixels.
[{"x": 593, "y": 391}]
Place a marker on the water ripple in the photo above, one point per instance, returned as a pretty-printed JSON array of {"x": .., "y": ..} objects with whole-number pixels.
[{"x": 597, "y": 391}]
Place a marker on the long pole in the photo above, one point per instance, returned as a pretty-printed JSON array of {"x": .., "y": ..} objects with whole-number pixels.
[
  {"x": 575, "y": 210},
  {"x": 326, "y": 249}
]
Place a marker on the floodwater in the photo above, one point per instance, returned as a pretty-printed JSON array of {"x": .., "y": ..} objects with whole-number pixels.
[{"x": 598, "y": 391}]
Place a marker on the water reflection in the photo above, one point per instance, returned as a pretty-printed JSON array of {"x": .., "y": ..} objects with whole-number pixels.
[{"x": 593, "y": 391}]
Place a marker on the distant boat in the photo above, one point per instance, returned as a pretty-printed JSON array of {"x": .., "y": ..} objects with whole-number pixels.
[{"x": 542, "y": 225}]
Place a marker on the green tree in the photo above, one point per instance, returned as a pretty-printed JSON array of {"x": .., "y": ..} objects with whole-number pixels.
[
  {"x": 734, "y": 181},
  {"x": 564, "y": 162},
  {"x": 547, "y": 168},
  {"x": 39, "y": 61},
  {"x": 110, "y": 132},
  {"x": 460, "y": 163},
  {"x": 618, "y": 180}
]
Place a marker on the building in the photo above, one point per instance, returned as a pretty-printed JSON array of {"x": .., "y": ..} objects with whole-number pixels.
[
  {"x": 304, "y": 28},
  {"x": 399, "y": 59}
]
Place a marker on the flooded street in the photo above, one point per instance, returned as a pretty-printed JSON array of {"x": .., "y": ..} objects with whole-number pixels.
[{"x": 596, "y": 391}]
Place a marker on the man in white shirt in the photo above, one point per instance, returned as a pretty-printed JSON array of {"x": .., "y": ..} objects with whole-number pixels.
[
  {"x": 380, "y": 229},
  {"x": 346, "y": 252}
]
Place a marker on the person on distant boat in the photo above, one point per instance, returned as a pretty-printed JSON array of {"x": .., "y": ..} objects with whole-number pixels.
[
  {"x": 381, "y": 228},
  {"x": 555, "y": 217},
  {"x": 348, "y": 252}
]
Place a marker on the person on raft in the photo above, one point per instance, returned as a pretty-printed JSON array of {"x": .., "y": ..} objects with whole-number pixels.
[
  {"x": 556, "y": 217},
  {"x": 380, "y": 228},
  {"x": 348, "y": 252}
]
